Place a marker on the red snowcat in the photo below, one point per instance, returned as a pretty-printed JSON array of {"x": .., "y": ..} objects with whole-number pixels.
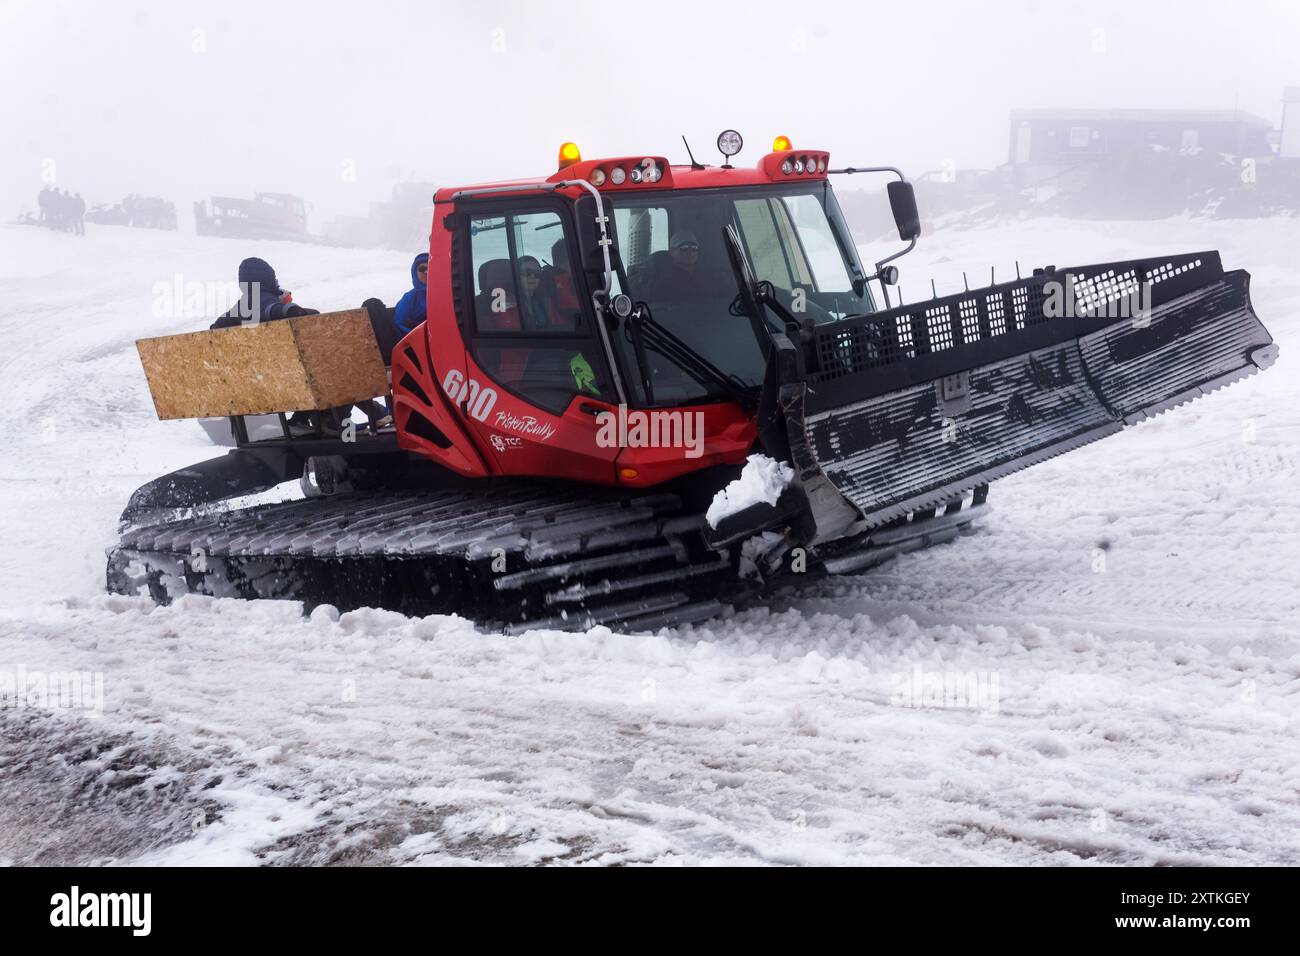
[{"x": 604, "y": 349}]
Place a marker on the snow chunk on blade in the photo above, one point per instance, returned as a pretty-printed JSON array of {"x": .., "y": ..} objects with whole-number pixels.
[{"x": 761, "y": 482}]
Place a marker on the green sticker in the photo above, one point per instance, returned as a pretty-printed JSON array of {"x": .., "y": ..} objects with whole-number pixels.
[{"x": 584, "y": 376}]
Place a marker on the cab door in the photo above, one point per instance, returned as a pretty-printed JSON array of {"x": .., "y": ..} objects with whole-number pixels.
[{"x": 536, "y": 378}]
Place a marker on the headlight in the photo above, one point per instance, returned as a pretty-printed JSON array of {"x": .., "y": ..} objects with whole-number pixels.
[
  {"x": 787, "y": 167},
  {"x": 617, "y": 175},
  {"x": 635, "y": 175},
  {"x": 798, "y": 165},
  {"x": 598, "y": 177},
  {"x": 729, "y": 143}
]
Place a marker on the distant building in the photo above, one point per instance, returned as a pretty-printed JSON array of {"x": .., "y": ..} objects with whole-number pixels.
[
  {"x": 402, "y": 223},
  {"x": 1063, "y": 137},
  {"x": 1289, "y": 143},
  {"x": 353, "y": 231}
]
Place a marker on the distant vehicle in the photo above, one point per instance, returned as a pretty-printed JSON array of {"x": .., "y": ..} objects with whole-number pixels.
[
  {"x": 150, "y": 212},
  {"x": 265, "y": 216},
  {"x": 108, "y": 214},
  {"x": 145, "y": 212}
]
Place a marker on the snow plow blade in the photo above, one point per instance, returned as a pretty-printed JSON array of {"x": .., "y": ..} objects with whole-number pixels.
[{"x": 911, "y": 408}]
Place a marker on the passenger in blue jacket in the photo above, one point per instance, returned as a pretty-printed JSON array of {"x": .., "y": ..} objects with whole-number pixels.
[{"x": 413, "y": 307}]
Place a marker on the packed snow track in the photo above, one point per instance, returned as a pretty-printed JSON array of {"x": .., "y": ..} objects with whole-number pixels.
[{"x": 1106, "y": 672}]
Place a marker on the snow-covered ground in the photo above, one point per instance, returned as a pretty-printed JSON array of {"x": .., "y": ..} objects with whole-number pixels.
[{"x": 1121, "y": 639}]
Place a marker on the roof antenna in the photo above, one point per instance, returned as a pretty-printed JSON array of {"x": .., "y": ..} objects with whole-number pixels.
[
  {"x": 964, "y": 280},
  {"x": 1017, "y": 270},
  {"x": 933, "y": 291},
  {"x": 694, "y": 164},
  {"x": 992, "y": 276}
]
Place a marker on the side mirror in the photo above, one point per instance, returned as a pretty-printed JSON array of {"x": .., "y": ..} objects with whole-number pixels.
[{"x": 902, "y": 202}]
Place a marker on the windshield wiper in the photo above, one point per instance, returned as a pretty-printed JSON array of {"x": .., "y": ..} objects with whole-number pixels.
[
  {"x": 646, "y": 332},
  {"x": 643, "y": 366}
]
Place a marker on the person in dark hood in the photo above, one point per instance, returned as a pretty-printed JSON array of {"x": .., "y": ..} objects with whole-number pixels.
[
  {"x": 261, "y": 299},
  {"x": 413, "y": 307}
]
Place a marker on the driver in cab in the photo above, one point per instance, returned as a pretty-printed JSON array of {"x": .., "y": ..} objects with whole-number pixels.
[{"x": 678, "y": 276}]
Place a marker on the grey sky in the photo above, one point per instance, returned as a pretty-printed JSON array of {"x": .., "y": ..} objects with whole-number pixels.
[{"x": 283, "y": 94}]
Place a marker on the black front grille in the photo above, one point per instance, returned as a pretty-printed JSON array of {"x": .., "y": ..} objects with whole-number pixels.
[{"x": 869, "y": 355}]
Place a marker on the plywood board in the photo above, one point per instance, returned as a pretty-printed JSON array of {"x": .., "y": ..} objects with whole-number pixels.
[{"x": 309, "y": 362}]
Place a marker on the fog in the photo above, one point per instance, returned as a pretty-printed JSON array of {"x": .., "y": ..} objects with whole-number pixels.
[{"x": 336, "y": 102}]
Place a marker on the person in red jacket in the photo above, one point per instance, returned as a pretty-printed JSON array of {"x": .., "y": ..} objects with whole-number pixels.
[
  {"x": 565, "y": 306},
  {"x": 497, "y": 303},
  {"x": 496, "y": 309}
]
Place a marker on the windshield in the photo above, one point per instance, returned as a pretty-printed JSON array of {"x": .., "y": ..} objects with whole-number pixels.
[{"x": 676, "y": 262}]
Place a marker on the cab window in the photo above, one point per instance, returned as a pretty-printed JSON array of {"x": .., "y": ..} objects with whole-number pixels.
[
  {"x": 642, "y": 233},
  {"x": 531, "y": 331},
  {"x": 523, "y": 281},
  {"x": 817, "y": 244},
  {"x": 677, "y": 264},
  {"x": 767, "y": 231}
]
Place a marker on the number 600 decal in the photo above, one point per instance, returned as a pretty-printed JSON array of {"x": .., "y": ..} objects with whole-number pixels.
[{"x": 476, "y": 400}]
